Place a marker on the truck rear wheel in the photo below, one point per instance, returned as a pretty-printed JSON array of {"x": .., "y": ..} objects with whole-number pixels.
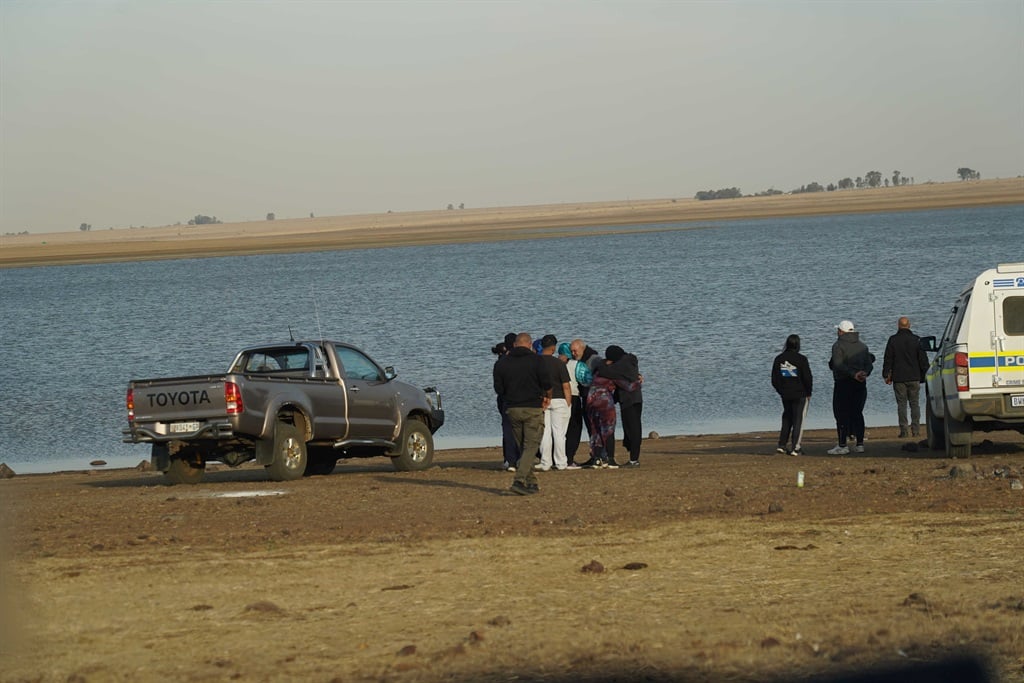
[
  {"x": 934, "y": 429},
  {"x": 417, "y": 448},
  {"x": 289, "y": 453},
  {"x": 320, "y": 461},
  {"x": 958, "y": 438},
  {"x": 185, "y": 467}
]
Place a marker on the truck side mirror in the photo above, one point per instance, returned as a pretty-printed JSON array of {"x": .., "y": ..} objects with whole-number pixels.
[
  {"x": 389, "y": 373},
  {"x": 928, "y": 344}
]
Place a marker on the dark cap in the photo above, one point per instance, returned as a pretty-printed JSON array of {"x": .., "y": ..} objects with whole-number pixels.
[
  {"x": 548, "y": 340},
  {"x": 614, "y": 353},
  {"x": 510, "y": 340}
]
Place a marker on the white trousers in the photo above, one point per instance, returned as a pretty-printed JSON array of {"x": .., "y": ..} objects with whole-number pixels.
[{"x": 552, "y": 445}]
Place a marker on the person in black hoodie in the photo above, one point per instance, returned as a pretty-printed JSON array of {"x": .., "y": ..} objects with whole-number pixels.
[
  {"x": 851, "y": 363},
  {"x": 626, "y": 368},
  {"x": 792, "y": 380}
]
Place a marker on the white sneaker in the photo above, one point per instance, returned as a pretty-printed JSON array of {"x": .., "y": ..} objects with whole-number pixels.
[
  {"x": 839, "y": 450},
  {"x": 541, "y": 468},
  {"x": 859, "y": 448}
]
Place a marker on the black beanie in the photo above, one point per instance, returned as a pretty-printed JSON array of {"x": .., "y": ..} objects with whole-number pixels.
[{"x": 614, "y": 353}]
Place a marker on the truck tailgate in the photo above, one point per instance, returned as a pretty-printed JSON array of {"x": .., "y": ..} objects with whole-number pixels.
[{"x": 181, "y": 398}]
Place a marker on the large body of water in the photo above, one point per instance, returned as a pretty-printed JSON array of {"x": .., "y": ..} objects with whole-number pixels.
[{"x": 704, "y": 309}]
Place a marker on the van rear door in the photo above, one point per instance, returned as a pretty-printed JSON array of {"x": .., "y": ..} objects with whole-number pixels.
[{"x": 1008, "y": 336}]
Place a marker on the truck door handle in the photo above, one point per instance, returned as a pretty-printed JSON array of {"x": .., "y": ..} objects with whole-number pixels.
[{"x": 354, "y": 390}]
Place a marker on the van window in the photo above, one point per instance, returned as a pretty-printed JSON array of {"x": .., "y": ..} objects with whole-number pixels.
[{"x": 1013, "y": 315}]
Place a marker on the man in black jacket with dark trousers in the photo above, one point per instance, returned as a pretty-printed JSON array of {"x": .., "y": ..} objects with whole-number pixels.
[
  {"x": 904, "y": 367},
  {"x": 521, "y": 381}
]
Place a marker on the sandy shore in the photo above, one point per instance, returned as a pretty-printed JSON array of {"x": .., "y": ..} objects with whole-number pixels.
[
  {"x": 475, "y": 225},
  {"x": 706, "y": 564}
]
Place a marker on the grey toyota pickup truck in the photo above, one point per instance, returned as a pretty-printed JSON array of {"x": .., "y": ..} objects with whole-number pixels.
[{"x": 295, "y": 408}]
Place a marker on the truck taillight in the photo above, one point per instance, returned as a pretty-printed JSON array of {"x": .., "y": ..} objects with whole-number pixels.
[
  {"x": 129, "y": 402},
  {"x": 962, "y": 368},
  {"x": 233, "y": 398}
]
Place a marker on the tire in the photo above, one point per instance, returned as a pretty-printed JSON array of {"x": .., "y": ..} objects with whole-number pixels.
[
  {"x": 320, "y": 461},
  {"x": 417, "y": 446},
  {"x": 958, "y": 438},
  {"x": 934, "y": 429},
  {"x": 289, "y": 453},
  {"x": 185, "y": 467}
]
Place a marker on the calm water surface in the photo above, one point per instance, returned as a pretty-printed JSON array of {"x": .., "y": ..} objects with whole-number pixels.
[{"x": 705, "y": 310}]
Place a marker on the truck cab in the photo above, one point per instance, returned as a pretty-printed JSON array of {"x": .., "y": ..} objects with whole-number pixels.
[{"x": 976, "y": 380}]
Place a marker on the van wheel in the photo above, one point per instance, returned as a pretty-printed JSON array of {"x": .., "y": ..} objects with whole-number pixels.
[
  {"x": 289, "y": 453},
  {"x": 958, "y": 438},
  {"x": 934, "y": 429},
  {"x": 417, "y": 445},
  {"x": 186, "y": 467}
]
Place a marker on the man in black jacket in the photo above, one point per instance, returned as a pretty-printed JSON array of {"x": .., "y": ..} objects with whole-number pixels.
[
  {"x": 521, "y": 381},
  {"x": 904, "y": 367}
]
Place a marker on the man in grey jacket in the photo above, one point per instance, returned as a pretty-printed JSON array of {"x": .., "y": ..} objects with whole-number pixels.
[{"x": 851, "y": 363}]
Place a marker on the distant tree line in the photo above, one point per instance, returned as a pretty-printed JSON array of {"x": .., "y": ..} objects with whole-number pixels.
[
  {"x": 725, "y": 193},
  {"x": 204, "y": 220},
  {"x": 870, "y": 179},
  {"x": 85, "y": 227}
]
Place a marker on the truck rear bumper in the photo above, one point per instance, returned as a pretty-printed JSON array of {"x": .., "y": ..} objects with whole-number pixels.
[
  {"x": 995, "y": 408},
  {"x": 209, "y": 430}
]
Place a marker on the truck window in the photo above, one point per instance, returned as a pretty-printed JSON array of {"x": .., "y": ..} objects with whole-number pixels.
[
  {"x": 278, "y": 360},
  {"x": 955, "y": 319},
  {"x": 356, "y": 365},
  {"x": 1013, "y": 315}
]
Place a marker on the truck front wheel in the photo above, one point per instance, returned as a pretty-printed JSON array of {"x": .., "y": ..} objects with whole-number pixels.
[
  {"x": 185, "y": 467},
  {"x": 417, "y": 448},
  {"x": 289, "y": 453}
]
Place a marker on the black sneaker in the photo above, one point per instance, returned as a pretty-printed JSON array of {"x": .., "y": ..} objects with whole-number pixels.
[
  {"x": 520, "y": 488},
  {"x": 632, "y": 463},
  {"x": 533, "y": 488},
  {"x": 611, "y": 464},
  {"x": 591, "y": 464}
]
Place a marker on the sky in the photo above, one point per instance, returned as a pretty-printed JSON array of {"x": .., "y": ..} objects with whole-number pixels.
[{"x": 146, "y": 113}]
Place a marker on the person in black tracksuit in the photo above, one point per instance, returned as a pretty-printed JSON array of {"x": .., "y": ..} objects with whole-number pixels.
[{"x": 792, "y": 380}]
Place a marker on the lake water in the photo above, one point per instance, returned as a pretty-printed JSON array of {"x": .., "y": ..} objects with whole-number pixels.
[{"x": 704, "y": 308}]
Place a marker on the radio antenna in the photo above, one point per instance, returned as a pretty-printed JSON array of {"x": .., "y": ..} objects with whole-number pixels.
[
  {"x": 316, "y": 310},
  {"x": 291, "y": 335}
]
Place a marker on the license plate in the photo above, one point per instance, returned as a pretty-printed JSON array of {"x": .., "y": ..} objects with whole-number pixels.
[
  {"x": 1017, "y": 400},
  {"x": 183, "y": 427}
]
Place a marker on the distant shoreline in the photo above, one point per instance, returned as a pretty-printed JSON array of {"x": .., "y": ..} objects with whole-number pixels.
[{"x": 477, "y": 225}]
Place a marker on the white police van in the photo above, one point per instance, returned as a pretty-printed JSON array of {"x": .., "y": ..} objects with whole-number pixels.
[{"x": 976, "y": 380}]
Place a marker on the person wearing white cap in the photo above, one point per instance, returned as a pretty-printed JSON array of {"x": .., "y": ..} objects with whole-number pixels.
[{"x": 851, "y": 363}]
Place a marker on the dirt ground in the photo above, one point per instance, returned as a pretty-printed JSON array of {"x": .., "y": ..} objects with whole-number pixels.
[{"x": 707, "y": 563}]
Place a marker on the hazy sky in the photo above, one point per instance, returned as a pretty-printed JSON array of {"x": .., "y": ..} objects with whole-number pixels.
[{"x": 148, "y": 113}]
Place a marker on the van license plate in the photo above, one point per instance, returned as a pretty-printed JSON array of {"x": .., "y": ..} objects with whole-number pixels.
[
  {"x": 193, "y": 426},
  {"x": 1017, "y": 400}
]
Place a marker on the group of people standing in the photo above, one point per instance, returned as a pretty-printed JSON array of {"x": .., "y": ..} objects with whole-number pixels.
[
  {"x": 851, "y": 362},
  {"x": 547, "y": 392}
]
